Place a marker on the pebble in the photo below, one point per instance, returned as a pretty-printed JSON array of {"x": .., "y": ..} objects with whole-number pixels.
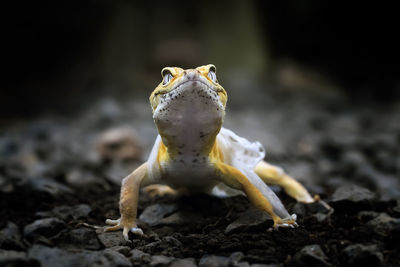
[
  {"x": 82, "y": 237},
  {"x": 112, "y": 239},
  {"x": 44, "y": 189},
  {"x": 10, "y": 237},
  {"x": 44, "y": 228},
  {"x": 154, "y": 213},
  {"x": 311, "y": 255},
  {"x": 350, "y": 197},
  {"x": 67, "y": 213},
  {"x": 252, "y": 219},
  {"x": 214, "y": 261},
  {"x": 362, "y": 255},
  {"x": 119, "y": 144},
  {"x": 11, "y": 258},
  {"x": 50, "y": 257},
  {"x": 384, "y": 225},
  {"x": 139, "y": 256}
]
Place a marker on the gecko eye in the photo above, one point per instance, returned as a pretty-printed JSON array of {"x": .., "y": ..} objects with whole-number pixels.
[
  {"x": 212, "y": 75},
  {"x": 167, "y": 76}
]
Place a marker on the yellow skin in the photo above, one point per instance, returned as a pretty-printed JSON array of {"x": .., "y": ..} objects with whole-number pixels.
[{"x": 188, "y": 110}]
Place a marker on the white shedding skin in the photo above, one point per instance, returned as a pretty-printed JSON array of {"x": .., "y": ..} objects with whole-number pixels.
[{"x": 245, "y": 155}]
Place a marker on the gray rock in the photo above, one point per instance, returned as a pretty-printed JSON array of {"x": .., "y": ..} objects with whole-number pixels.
[
  {"x": 189, "y": 262},
  {"x": 44, "y": 228},
  {"x": 235, "y": 258},
  {"x": 10, "y": 237},
  {"x": 264, "y": 265},
  {"x": 396, "y": 209},
  {"x": 138, "y": 256},
  {"x": 214, "y": 261},
  {"x": 320, "y": 210},
  {"x": 177, "y": 218},
  {"x": 384, "y": 225},
  {"x": 311, "y": 255},
  {"x": 67, "y": 213},
  {"x": 367, "y": 215},
  {"x": 11, "y": 258},
  {"x": 78, "y": 178},
  {"x": 161, "y": 260},
  {"x": 124, "y": 250},
  {"x": 49, "y": 257},
  {"x": 45, "y": 188},
  {"x": 172, "y": 241},
  {"x": 251, "y": 219},
  {"x": 349, "y": 195},
  {"x": 112, "y": 239},
  {"x": 83, "y": 238},
  {"x": 154, "y": 213},
  {"x": 361, "y": 255}
]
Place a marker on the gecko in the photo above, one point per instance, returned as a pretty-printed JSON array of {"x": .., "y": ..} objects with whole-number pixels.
[{"x": 193, "y": 151}]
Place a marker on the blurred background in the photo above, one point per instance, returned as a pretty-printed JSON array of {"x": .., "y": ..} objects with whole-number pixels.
[
  {"x": 60, "y": 57},
  {"x": 317, "y": 83}
]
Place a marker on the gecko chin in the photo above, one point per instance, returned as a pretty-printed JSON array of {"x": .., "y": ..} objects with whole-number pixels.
[{"x": 192, "y": 110}]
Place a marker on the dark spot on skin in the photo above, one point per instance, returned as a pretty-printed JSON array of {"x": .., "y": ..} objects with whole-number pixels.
[
  {"x": 198, "y": 154},
  {"x": 181, "y": 161},
  {"x": 195, "y": 160}
]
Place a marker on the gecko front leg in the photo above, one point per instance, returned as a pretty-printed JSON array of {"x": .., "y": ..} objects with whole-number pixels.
[
  {"x": 128, "y": 202},
  {"x": 235, "y": 178}
]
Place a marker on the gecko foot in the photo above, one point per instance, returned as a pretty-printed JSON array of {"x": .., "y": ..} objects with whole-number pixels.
[
  {"x": 127, "y": 227},
  {"x": 287, "y": 222}
]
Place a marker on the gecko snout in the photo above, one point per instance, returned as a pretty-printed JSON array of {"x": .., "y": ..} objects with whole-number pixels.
[{"x": 191, "y": 74}]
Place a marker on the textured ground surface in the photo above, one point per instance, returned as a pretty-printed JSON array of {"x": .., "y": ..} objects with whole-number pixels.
[{"x": 53, "y": 180}]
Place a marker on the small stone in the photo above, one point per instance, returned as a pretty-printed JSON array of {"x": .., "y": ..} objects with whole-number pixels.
[
  {"x": 161, "y": 260},
  {"x": 112, "y": 239},
  {"x": 78, "y": 178},
  {"x": 367, "y": 215},
  {"x": 396, "y": 209},
  {"x": 172, "y": 241},
  {"x": 10, "y": 237},
  {"x": 311, "y": 255},
  {"x": 384, "y": 225},
  {"x": 117, "y": 171},
  {"x": 177, "y": 218},
  {"x": 79, "y": 238},
  {"x": 119, "y": 144},
  {"x": 12, "y": 258},
  {"x": 44, "y": 188},
  {"x": 319, "y": 209},
  {"x": 154, "y": 213},
  {"x": 124, "y": 250},
  {"x": 214, "y": 261},
  {"x": 361, "y": 255},
  {"x": 139, "y": 256},
  {"x": 49, "y": 257},
  {"x": 235, "y": 258},
  {"x": 67, "y": 213},
  {"x": 351, "y": 197},
  {"x": 44, "y": 227},
  {"x": 189, "y": 262},
  {"x": 252, "y": 219}
]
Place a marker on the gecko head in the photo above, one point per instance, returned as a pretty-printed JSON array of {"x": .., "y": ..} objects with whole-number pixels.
[{"x": 194, "y": 84}]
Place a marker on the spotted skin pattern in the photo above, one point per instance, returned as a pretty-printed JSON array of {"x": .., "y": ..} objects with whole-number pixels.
[{"x": 193, "y": 152}]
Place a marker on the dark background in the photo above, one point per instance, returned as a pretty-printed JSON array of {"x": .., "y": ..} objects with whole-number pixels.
[{"x": 61, "y": 56}]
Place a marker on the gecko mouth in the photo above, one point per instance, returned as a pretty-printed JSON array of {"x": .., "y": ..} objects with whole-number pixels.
[{"x": 194, "y": 82}]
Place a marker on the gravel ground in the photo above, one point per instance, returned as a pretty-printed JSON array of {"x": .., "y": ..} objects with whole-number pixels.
[{"x": 61, "y": 176}]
